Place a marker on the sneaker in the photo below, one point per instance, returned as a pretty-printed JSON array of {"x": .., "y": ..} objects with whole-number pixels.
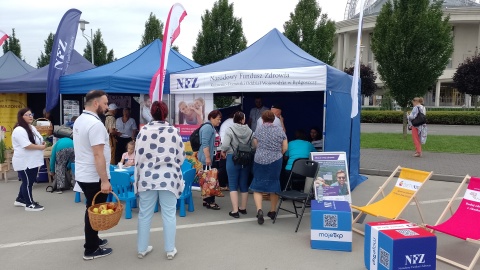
[
  {"x": 102, "y": 243},
  {"x": 100, "y": 252},
  {"x": 141, "y": 255},
  {"x": 171, "y": 254},
  {"x": 19, "y": 202},
  {"x": 34, "y": 207}
]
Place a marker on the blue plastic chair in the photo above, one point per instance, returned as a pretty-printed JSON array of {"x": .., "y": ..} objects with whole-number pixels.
[
  {"x": 187, "y": 197},
  {"x": 186, "y": 166},
  {"x": 78, "y": 195},
  {"x": 121, "y": 186}
]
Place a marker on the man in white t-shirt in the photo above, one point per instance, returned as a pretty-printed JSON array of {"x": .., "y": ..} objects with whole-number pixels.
[
  {"x": 92, "y": 169},
  {"x": 277, "y": 110},
  {"x": 126, "y": 131}
]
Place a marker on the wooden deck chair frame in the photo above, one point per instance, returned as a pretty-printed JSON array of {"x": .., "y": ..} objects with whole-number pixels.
[
  {"x": 381, "y": 191},
  {"x": 440, "y": 219}
]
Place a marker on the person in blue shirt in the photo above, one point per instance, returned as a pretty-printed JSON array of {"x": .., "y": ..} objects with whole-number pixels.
[
  {"x": 298, "y": 148},
  {"x": 62, "y": 156}
]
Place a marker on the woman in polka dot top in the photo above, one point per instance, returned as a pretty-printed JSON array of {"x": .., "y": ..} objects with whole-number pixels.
[{"x": 159, "y": 153}]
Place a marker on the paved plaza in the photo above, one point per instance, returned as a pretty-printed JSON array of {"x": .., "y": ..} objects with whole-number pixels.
[{"x": 207, "y": 239}]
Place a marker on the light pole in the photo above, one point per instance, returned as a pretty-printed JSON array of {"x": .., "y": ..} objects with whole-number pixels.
[{"x": 82, "y": 27}]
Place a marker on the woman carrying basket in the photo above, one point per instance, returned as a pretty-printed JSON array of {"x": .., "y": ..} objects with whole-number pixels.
[{"x": 159, "y": 154}]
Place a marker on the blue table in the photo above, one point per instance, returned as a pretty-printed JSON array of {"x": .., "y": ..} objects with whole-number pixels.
[{"x": 130, "y": 170}]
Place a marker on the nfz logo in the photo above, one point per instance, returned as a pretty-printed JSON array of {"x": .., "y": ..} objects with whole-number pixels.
[
  {"x": 414, "y": 259},
  {"x": 186, "y": 83},
  {"x": 60, "y": 54}
]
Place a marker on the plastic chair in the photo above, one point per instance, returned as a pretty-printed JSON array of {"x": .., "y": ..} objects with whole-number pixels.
[
  {"x": 304, "y": 168},
  {"x": 186, "y": 166},
  {"x": 463, "y": 223},
  {"x": 408, "y": 184},
  {"x": 78, "y": 195},
  {"x": 121, "y": 186},
  {"x": 187, "y": 197}
]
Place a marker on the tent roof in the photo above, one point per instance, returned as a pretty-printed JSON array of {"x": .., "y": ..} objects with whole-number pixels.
[
  {"x": 131, "y": 74},
  {"x": 36, "y": 81},
  {"x": 11, "y": 66},
  {"x": 272, "y": 51}
]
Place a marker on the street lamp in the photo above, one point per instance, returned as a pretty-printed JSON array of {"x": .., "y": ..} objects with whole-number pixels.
[{"x": 82, "y": 27}]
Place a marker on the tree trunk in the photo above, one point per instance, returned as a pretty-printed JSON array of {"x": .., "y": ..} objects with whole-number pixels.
[{"x": 405, "y": 122}]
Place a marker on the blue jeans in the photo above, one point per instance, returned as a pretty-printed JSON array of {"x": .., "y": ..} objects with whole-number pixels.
[
  {"x": 168, "y": 204},
  {"x": 237, "y": 175}
]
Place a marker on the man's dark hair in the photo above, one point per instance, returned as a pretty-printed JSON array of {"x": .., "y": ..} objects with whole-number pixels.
[{"x": 93, "y": 95}]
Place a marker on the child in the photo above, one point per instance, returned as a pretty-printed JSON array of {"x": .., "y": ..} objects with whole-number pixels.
[{"x": 128, "y": 158}]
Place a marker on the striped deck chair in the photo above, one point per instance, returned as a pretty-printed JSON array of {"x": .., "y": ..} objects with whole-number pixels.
[
  {"x": 464, "y": 222},
  {"x": 392, "y": 205}
]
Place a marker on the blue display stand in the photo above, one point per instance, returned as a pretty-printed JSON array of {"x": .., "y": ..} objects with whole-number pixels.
[
  {"x": 399, "y": 244},
  {"x": 331, "y": 226}
]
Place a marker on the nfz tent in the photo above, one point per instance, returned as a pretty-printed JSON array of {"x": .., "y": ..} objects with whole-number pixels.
[
  {"x": 129, "y": 75},
  {"x": 36, "y": 80},
  {"x": 275, "y": 64}
]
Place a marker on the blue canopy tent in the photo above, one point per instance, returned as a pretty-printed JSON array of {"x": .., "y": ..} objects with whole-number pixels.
[
  {"x": 131, "y": 74},
  {"x": 36, "y": 81},
  {"x": 274, "y": 64},
  {"x": 12, "y": 66}
]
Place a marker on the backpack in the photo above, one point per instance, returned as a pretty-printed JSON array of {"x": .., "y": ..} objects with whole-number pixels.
[
  {"x": 420, "y": 119},
  {"x": 195, "y": 138},
  {"x": 244, "y": 153}
]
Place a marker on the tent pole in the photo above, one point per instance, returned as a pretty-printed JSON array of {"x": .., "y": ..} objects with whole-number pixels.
[
  {"x": 61, "y": 110},
  {"x": 324, "y": 117}
]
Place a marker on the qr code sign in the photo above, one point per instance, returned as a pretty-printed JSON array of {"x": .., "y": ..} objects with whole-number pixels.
[
  {"x": 330, "y": 221},
  {"x": 407, "y": 232},
  {"x": 384, "y": 258}
]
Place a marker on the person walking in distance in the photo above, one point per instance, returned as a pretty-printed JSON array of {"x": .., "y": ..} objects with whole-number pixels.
[
  {"x": 28, "y": 146},
  {"x": 92, "y": 158}
]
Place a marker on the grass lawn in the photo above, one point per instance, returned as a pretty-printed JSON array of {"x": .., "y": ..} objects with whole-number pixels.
[{"x": 435, "y": 143}]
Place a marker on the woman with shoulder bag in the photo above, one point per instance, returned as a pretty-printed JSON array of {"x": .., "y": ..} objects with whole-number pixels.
[
  {"x": 419, "y": 133},
  {"x": 238, "y": 174}
]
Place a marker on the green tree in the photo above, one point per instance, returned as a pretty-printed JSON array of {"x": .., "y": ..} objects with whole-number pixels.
[
  {"x": 13, "y": 44},
  {"x": 44, "y": 58},
  {"x": 101, "y": 55},
  {"x": 467, "y": 78},
  {"x": 412, "y": 43},
  {"x": 153, "y": 30},
  {"x": 311, "y": 30},
  {"x": 221, "y": 35},
  {"x": 368, "y": 78}
]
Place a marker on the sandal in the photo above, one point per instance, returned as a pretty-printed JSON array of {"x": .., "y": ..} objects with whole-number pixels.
[
  {"x": 224, "y": 189},
  {"x": 242, "y": 211},
  {"x": 213, "y": 206}
]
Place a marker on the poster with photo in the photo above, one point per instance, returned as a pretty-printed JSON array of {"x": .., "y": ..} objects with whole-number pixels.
[
  {"x": 191, "y": 111},
  {"x": 332, "y": 175},
  {"x": 71, "y": 108}
]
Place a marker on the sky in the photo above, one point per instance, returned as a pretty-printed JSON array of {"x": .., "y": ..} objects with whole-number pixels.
[{"x": 122, "y": 22}]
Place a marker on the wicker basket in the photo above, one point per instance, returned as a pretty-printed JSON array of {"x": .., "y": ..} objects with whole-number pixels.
[
  {"x": 104, "y": 222},
  {"x": 48, "y": 130}
]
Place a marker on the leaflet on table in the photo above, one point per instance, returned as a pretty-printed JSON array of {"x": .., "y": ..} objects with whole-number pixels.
[{"x": 332, "y": 175}]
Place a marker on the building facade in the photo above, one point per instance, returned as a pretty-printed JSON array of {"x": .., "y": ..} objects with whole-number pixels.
[{"x": 465, "y": 22}]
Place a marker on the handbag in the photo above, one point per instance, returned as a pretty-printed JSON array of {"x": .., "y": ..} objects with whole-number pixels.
[
  {"x": 244, "y": 153},
  {"x": 420, "y": 119},
  {"x": 208, "y": 181}
]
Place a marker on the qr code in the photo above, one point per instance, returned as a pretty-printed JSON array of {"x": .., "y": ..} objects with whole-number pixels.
[
  {"x": 384, "y": 258},
  {"x": 407, "y": 232},
  {"x": 330, "y": 221}
]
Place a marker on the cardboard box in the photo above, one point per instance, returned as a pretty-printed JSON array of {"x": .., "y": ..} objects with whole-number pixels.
[
  {"x": 331, "y": 225},
  {"x": 399, "y": 245}
]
